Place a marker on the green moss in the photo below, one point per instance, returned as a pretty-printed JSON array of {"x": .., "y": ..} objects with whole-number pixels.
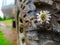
[{"x": 3, "y": 40}]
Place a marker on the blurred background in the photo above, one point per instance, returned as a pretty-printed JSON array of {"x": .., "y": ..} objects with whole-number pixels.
[{"x": 7, "y": 32}]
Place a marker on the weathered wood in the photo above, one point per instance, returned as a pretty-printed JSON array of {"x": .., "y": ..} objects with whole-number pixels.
[{"x": 44, "y": 32}]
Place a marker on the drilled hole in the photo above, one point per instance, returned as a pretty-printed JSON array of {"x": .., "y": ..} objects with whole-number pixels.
[
  {"x": 21, "y": 20},
  {"x": 24, "y": 15},
  {"x": 26, "y": 21},
  {"x": 29, "y": 11},
  {"x": 35, "y": 21},
  {"x": 23, "y": 40},
  {"x": 21, "y": 30},
  {"x": 23, "y": 7}
]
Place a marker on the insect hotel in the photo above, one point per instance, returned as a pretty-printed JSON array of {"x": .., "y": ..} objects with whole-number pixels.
[{"x": 38, "y": 22}]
